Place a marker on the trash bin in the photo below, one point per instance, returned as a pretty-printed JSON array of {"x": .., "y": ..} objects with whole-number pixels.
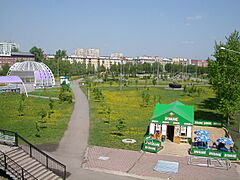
[{"x": 163, "y": 138}]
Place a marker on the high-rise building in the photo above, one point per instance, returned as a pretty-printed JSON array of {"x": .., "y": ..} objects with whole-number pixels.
[
  {"x": 6, "y": 48},
  {"x": 116, "y": 55},
  {"x": 87, "y": 53}
]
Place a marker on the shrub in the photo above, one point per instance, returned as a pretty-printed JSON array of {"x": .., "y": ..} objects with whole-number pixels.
[
  {"x": 65, "y": 93},
  {"x": 65, "y": 96}
]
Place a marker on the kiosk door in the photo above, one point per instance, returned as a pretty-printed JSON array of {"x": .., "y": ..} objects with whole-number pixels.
[{"x": 170, "y": 132}]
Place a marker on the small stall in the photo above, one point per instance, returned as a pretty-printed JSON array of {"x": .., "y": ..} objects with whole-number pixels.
[
  {"x": 172, "y": 121},
  {"x": 64, "y": 79}
]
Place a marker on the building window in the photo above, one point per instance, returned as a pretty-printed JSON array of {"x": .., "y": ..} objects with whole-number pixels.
[{"x": 183, "y": 130}]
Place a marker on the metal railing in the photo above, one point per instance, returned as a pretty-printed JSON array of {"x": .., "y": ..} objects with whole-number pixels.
[
  {"x": 49, "y": 162},
  {"x": 7, "y": 164}
]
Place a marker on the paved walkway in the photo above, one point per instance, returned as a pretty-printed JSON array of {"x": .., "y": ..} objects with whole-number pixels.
[
  {"x": 141, "y": 164},
  {"x": 72, "y": 146},
  {"x": 44, "y": 97}
]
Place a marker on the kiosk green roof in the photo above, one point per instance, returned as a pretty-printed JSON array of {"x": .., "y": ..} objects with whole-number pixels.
[{"x": 174, "y": 113}]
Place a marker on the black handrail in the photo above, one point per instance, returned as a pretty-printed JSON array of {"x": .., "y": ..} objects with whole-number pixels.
[
  {"x": 27, "y": 146},
  {"x": 12, "y": 166}
]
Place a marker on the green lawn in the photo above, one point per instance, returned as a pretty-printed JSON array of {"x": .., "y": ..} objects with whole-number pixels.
[
  {"x": 25, "y": 125},
  {"x": 50, "y": 92},
  {"x": 127, "y": 105}
]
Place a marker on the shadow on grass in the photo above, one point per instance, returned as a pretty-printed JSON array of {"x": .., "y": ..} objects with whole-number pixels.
[
  {"x": 210, "y": 103},
  {"x": 204, "y": 115},
  {"x": 147, "y": 131},
  {"x": 117, "y": 134}
]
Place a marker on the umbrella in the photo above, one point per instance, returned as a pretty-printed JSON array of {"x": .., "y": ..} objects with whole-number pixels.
[
  {"x": 201, "y": 132},
  {"x": 202, "y": 139},
  {"x": 225, "y": 140}
]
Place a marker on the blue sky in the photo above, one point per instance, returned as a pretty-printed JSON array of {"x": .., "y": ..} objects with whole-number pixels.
[{"x": 166, "y": 28}]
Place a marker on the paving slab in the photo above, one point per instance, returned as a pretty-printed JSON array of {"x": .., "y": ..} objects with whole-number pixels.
[
  {"x": 111, "y": 159},
  {"x": 171, "y": 148},
  {"x": 141, "y": 164}
]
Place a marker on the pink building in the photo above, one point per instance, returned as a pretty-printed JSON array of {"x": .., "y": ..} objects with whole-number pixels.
[{"x": 200, "y": 63}]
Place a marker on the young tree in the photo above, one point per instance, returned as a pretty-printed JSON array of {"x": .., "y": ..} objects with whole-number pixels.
[
  {"x": 4, "y": 69},
  {"x": 38, "y": 52},
  {"x": 224, "y": 75},
  {"x": 43, "y": 114},
  {"x": 50, "y": 104},
  {"x": 21, "y": 108},
  {"x": 60, "y": 54}
]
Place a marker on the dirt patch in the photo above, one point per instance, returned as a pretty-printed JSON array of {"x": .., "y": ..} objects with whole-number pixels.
[{"x": 47, "y": 147}]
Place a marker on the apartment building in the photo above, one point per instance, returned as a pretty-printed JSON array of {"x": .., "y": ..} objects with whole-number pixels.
[{"x": 9, "y": 57}]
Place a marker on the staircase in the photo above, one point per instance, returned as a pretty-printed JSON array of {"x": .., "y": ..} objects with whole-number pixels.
[
  {"x": 25, "y": 161},
  {"x": 21, "y": 166}
]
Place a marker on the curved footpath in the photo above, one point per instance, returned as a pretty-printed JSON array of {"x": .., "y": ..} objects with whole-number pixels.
[{"x": 72, "y": 146}]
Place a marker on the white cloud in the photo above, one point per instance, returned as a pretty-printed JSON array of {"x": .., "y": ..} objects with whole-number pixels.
[{"x": 194, "y": 18}]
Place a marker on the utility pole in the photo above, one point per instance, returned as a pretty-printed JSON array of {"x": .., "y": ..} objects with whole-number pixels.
[
  {"x": 121, "y": 71},
  {"x": 58, "y": 67},
  {"x": 158, "y": 71}
]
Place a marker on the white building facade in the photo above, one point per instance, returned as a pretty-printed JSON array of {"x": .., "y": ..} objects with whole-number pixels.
[{"x": 6, "y": 48}]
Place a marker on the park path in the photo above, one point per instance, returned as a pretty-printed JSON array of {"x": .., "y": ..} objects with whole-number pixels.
[{"x": 72, "y": 146}]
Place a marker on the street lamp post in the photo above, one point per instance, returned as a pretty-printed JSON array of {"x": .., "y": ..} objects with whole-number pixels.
[{"x": 230, "y": 50}]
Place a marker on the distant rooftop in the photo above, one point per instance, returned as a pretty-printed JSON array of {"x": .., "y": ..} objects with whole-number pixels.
[{"x": 22, "y": 54}]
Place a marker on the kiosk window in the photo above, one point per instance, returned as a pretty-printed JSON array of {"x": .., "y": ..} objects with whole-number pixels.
[{"x": 183, "y": 131}]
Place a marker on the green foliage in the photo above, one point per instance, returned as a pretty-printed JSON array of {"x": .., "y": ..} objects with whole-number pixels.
[
  {"x": 42, "y": 114},
  {"x": 51, "y": 104},
  {"x": 156, "y": 99},
  {"x": 65, "y": 96},
  {"x": 136, "y": 81},
  {"x": 154, "y": 81},
  {"x": 60, "y": 54},
  {"x": 145, "y": 98},
  {"x": 37, "y": 129},
  {"x": 224, "y": 73},
  {"x": 21, "y": 105},
  {"x": 26, "y": 126},
  {"x": 125, "y": 105},
  {"x": 38, "y": 52},
  {"x": 23, "y": 97},
  {"x": 107, "y": 111},
  {"x": 98, "y": 96},
  {"x": 21, "y": 108},
  {"x": 65, "y": 93},
  {"x": 121, "y": 124},
  {"x": 4, "y": 69}
]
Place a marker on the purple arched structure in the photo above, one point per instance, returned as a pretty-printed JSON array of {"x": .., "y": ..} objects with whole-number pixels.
[
  {"x": 13, "y": 79},
  {"x": 32, "y": 71}
]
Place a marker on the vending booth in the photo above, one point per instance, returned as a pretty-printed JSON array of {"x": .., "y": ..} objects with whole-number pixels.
[{"x": 172, "y": 122}]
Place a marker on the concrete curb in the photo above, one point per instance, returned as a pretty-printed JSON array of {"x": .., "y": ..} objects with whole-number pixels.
[{"x": 125, "y": 174}]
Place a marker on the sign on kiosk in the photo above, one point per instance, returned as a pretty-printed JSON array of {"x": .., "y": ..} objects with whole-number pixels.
[{"x": 171, "y": 118}]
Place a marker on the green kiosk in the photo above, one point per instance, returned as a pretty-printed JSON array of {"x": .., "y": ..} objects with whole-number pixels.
[{"x": 171, "y": 121}]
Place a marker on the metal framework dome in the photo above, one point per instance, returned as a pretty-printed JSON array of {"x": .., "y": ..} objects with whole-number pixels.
[{"x": 33, "y": 72}]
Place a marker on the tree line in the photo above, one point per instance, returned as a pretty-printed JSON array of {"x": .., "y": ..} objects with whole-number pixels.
[{"x": 64, "y": 67}]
